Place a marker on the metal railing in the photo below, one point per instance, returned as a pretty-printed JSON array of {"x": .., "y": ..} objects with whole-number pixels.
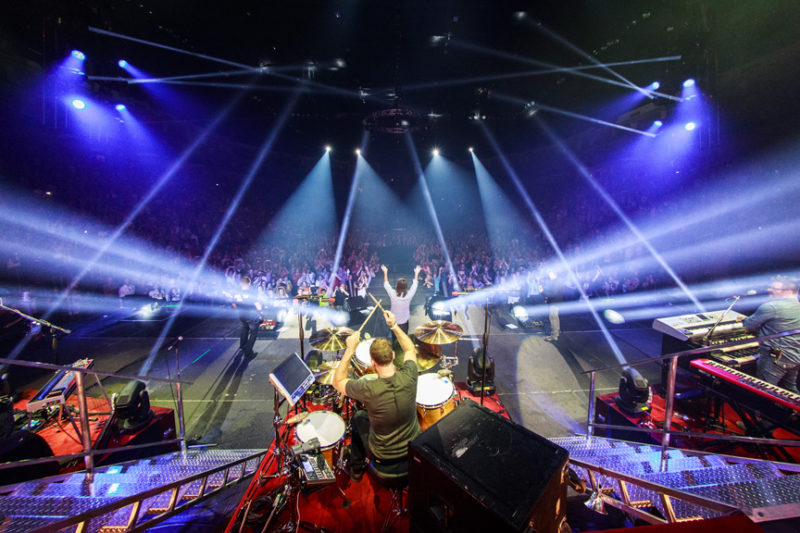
[
  {"x": 83, "y": 413},
  {"x": 666, "y": 432}
]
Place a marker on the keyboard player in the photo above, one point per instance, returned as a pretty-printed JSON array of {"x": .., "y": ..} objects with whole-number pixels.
[{"x": 779, "y": 360}]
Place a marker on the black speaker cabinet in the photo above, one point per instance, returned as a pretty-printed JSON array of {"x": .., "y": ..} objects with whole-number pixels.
[{"x": 477, "y": 471}]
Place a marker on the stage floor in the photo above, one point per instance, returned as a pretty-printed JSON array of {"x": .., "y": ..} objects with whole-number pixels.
[{"x": 230, "y": 401}]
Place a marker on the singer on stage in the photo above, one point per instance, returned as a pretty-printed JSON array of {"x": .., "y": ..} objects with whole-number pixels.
[
  {"x": 779, "y": 361},
  {"x": 401, "y": 296}
]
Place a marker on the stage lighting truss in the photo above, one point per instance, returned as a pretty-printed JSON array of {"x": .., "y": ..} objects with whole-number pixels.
[{"x": 396, "y": 121}]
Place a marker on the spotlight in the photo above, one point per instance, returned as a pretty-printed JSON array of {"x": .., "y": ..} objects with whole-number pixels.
[
  {"x": 470, "y": 149},
  {"x": 77, "y": 54},
  {"x": 328, "y": 148},
  {"x": 436, "y": 308},
  {"x": 655, "y": 85},
  {"x": 147, "y": 311},
  {"x": 122, "y": 63},
  {"x": 658, "y": 123},
  {"x": 689, "y": 83},
  {"x": 475, "y": 373},
  {"x": 120, "y": 107},
  {"x": 358, "y": 151},
  {"x": 634, "y": 393},
  {"x": 613, "y": 316},
  {"x": 77, "y": 103},
  {"x": 520, "y": 313},
  {"x": 435, "y": 151},
  {"x": 690, "y": 126}
]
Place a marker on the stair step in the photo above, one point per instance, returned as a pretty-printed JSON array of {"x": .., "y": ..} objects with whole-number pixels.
[
  {"x": 714, "y": 475},
  {"x": 771, "y": 492},
  {"x": 36, "y": 504}
]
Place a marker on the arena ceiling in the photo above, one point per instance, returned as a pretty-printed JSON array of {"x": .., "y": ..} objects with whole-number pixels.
[{"x": 443, "y": 63}]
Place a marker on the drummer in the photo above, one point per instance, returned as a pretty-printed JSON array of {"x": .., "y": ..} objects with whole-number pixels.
[{"x": 389, "y": 422}]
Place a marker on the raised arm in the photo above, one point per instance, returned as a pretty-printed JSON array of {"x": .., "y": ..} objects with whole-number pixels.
[
  {"x": 340, "y": 374},
  {"x": 406, "y": 344}
]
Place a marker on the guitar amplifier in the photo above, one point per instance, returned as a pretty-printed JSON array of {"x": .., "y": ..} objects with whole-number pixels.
[{"x": 476, "y": 471}]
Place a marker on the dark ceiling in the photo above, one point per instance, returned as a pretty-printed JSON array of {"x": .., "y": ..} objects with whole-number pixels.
[{"x": 442, "y": 61}]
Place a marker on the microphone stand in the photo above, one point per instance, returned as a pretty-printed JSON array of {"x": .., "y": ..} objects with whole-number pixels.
[
  {"x": 53, "y": 328},
  {"x": 707, "y": 336},
  {"x": 485, "y": 347}
]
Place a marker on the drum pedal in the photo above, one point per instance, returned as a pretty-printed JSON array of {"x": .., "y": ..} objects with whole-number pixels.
[{"x": 315, "y": 470}]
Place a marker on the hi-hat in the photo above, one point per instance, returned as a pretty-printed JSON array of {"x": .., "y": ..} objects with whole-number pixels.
[
  {"x": 330, "y": 339},
  {"x": 438, "y": 332},
  {"x": 325, "y": 371}
]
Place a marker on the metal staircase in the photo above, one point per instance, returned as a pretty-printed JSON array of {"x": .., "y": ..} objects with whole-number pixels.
[
  {"x": 691, "y": 486},
  {"x": 130, "y": 496}
]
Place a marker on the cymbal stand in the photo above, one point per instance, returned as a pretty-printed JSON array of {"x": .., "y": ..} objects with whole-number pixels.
[
  {"x": 485, "y": 348},
  {"x": 54, "y": 330}
]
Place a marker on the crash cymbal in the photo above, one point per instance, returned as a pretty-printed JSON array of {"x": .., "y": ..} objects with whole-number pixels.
[
  {"x": 330, "y": 339},
  {"x": 438, "y": 332},
  {"x": 325, "y": 371}
]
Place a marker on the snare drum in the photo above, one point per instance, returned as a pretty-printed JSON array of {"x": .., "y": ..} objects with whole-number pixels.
[
  {"x": 362, "y": 360},
  {"x": 328, "y": 427},
  {"x": 435, "y": 398}
]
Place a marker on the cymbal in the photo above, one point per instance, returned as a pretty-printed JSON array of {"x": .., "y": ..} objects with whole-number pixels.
[
  {"x": 324, "y": 376},
  {"x": 426, "y": 360},
  {"x": 438, "y": 332},
  {"x": 330, "y": 339}
]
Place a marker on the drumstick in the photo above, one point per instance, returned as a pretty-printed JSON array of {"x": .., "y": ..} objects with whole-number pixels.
[
  {"x": 358, "y": 331},
  {"x": 376, "y": 301}
]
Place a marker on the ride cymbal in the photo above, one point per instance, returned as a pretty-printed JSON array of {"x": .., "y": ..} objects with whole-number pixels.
[
  {"x": 330, "y": 339},
  {"x": 438, "y": 332}
]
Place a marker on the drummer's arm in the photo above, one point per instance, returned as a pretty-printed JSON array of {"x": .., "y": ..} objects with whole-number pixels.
[
  {"x": 406, "y": 344},
  {"x": 340, "y": 374}
]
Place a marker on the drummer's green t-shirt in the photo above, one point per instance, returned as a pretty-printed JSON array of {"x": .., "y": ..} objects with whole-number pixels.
[{"x": 392, "y": 407}]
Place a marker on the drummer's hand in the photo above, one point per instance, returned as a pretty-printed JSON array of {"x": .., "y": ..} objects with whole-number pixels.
[
  {"x": 352, "y": 340},
  {"x": 385, "y": 270},
  {"x": 390, "y": 319}
]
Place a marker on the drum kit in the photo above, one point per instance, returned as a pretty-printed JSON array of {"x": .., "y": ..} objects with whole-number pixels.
[{"x": 436, "y": 394}]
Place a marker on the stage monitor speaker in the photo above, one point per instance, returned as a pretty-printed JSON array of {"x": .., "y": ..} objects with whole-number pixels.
[
  {"x": 355, "y": 303},
  {"x": 476, "y": 471}
]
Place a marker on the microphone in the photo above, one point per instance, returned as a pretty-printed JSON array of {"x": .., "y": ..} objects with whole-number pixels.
[{"x": 175, "y": 343}]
